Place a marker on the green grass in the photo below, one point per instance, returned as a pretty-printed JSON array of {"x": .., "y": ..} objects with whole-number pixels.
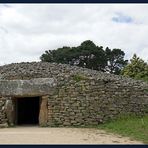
[{"x": 134, "y": 127}]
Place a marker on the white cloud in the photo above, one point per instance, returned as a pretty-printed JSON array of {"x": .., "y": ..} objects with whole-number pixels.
[{"x": 27, "y": 30}]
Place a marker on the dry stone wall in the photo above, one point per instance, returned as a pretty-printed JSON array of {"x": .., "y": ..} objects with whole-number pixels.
[
  {"x": 3, "y": 117},
  {"x": 82, "y": 96},
  {"x": 90, "y": 102}
]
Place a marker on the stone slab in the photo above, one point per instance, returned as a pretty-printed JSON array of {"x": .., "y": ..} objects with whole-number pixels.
[{"x": 27, "y": 88}]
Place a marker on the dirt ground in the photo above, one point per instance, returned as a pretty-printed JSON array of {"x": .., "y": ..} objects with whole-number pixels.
[{"x": 38, "y": 135}]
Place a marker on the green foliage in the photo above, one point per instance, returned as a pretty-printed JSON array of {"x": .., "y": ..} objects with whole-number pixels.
[
  {"x": 88, "y": 55},
  {"x": 130, "y": 126},
  {"x": 115, "y": 60},
  {"x": 78, "y": 78},
  {"x": 137, "y": 69},
  {"x": 146, "y": 90}
]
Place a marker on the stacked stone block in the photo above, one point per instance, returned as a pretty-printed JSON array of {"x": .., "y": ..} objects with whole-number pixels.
[
  {"x": 3, "y": 118},
  {"x": 90, "y": 102}
]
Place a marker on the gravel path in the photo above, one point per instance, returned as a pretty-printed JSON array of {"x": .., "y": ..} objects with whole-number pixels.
[{"x": 38, "y": 135}]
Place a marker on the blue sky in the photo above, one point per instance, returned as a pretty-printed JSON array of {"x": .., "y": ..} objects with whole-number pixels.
[
  {"x": 27, "y": 30},
  {"x": 121, "y": 18}
]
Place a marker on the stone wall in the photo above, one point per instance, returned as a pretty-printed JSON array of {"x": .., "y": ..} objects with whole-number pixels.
[
  {"x": 82, "y": 96},
  {"x": 90, "y": 102},
  {"x": 3, "y": 117}
]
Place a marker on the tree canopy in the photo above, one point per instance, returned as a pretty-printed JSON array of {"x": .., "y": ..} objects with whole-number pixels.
[
  {"x": 115, "y": 60},
  {"x": 88, "y": 55},
  {"x": 137, "y": 69}
]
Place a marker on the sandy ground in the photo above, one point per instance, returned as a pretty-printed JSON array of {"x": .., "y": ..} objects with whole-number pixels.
[{"x": 38, "y": 135}]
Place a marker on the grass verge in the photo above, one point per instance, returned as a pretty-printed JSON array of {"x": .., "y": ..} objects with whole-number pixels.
[{"x": 134, "y": 127}]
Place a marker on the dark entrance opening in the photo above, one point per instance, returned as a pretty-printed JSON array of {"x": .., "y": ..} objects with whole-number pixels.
[{"x": 27, "y": 110}]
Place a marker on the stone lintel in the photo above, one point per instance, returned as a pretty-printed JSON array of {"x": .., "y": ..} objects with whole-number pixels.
[{"x": 27, "y": 88}]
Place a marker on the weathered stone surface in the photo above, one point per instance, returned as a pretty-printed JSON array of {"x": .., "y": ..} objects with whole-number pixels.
[
  {"x": 9, "y": 112},
  {"x": 33, "y": 87},
  {"x": 3, "y": 125},
  {"x": 43, "y": 114},
  {"x": 81, "y": 96}
]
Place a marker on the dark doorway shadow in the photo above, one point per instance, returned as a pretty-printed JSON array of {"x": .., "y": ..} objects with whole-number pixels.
[{"x": 27, "y": 111}]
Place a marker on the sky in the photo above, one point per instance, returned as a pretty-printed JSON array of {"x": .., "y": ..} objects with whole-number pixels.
[{"x": 27, "y": 30}]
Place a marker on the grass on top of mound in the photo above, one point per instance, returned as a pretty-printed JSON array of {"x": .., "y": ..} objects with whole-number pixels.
[{"x": 131, "y": 126}]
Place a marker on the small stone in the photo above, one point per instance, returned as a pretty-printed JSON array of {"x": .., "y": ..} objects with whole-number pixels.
[{"x": 4, "y": 125}]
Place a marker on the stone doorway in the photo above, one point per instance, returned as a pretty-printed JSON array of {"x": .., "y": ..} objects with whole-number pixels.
[
  {"x": 21, "y": 95},
  {"x": 27, "y": 110}
]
